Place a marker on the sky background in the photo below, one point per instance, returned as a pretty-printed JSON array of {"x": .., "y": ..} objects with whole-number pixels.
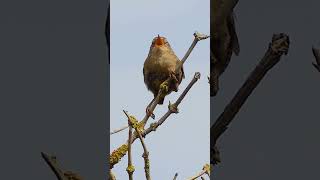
[
  {"x": 181, "y": 144},
  {"x": 276, "y": 133}
]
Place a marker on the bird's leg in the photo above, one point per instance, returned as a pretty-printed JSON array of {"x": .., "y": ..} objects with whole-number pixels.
[{"x": 148, "y": 111}]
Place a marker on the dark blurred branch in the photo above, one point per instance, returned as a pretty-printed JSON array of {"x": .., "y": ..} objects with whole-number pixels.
[
  {"x": 60, "y": 174},
  {"x": 278, "y": 47},
  {"x": 316, "y": 54},
  {"x": 107, "y": 31}
]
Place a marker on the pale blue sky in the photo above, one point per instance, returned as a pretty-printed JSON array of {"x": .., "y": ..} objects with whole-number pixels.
[{"x": 181, "y": 144}]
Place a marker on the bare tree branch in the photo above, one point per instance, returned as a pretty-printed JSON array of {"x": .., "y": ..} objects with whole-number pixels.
[
  {"x": 205, "y": 170},
  {"x": 197, "y": 37},
  {"x": 130, "y": 168},
  {"x": 107, "y": 31},
  {"x": 278, "y": 47},
  {"x": 60, "y": 174},
  {"x": 316, "y": 54},
  {"x": 134, "y": 123},
  {"x": 53, "y": 164},
  {"x": 118, "y": 130},
  {"x": 173, "y": 108}
]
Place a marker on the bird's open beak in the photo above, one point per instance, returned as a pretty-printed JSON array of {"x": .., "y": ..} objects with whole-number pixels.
[{"x": 159, "y": 41}]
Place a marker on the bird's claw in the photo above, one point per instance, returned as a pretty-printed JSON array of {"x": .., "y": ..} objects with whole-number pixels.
[{"x": 164, "y": 87}]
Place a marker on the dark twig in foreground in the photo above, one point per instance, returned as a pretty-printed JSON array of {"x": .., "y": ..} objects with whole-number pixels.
[
  {"x": 53, "y": 164},
  {"x": 278, "y": 47},
  {"x": 316, "y": 54},
  {"x": 60, "y": 174},
  {"x": 117, "y": 154}
]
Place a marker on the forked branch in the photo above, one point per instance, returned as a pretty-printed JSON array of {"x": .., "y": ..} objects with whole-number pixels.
[{"x": 121, "y": 151}]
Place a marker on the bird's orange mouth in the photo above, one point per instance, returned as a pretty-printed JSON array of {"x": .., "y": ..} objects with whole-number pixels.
[{"x": 159, "y": 41}]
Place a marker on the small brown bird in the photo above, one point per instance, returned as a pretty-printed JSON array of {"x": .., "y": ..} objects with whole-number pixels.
[{"x": 161, "y": 64}]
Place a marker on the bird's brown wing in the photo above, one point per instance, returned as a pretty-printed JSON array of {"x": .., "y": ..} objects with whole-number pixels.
[{"x": 145, "y": 78}]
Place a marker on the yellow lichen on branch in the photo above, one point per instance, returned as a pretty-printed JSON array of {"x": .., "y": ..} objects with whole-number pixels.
[{"x": 117, "y": 154}]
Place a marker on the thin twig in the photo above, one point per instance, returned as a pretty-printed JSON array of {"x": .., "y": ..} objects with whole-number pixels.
[
  {"x": 60, "y": 174},
  {"x": 155, "y": 125},
  {"x": 197, "y": 176},
  {"x": 205, "y": 170},
  {"x": 197, "y": 37},
  {"x": 145, "y": 150},
  {"x": 130, "y": 168},
  {"x": 53, "y": 164},
  {"x": 118, "y": 130},
  {"x": 316, "y": 54}
]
